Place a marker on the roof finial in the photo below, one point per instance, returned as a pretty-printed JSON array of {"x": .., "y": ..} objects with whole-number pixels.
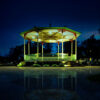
[{"x": 50, "y": 25}]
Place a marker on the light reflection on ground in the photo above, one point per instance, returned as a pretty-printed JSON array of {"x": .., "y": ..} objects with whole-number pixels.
[{"x": 57, "y": 83}]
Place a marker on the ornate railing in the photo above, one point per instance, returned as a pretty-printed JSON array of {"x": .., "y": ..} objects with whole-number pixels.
[{"x": 49, "y": 57}]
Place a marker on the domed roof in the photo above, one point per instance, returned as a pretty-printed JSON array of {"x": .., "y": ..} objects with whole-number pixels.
[{"x": 50, "y": 34}]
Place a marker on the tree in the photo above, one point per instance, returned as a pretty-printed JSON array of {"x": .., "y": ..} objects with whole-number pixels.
[
  {"x": 16, "y": 54},
  {"x": 92, "y": 48}
]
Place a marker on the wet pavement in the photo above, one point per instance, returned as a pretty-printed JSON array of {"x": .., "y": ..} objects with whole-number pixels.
[{"x": 49, "y": 83}]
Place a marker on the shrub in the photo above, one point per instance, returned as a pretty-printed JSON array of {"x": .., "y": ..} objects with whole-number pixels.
[
  {"x": 54, "y": 65},
  {"x": 36, "y": 65},
  {"x": 46, "y": 65},
  {"x": 21, "y": 64},
  {"x": 61, "y": 65}
]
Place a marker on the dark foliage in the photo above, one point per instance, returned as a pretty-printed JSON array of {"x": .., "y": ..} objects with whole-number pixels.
[{"x": 90, "y": 48}]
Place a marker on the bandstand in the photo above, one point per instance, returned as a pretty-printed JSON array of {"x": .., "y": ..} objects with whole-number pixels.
[{"x": 50, "y": 35}]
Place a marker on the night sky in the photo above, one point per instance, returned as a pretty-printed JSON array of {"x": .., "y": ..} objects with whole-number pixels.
[{"x": 20, "y": 15}]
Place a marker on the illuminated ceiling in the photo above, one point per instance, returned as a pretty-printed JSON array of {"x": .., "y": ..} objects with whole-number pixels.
[{"x": 50, "y": 34}]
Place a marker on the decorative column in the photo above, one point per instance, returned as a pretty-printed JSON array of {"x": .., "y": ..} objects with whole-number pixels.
[
  {"x": 37, "y": 47},
  {"x": 24, "y": 45},
  {"x": 76, "y": 48},
  {"x": 71, "y": 47},
  {"x": 24, "y": 48},
  {"x": 62, "y": 44},
  {"x": 58, "y": 50},
  {"x": 29, "y": 47},
  {"x": 42, "y": 50}
]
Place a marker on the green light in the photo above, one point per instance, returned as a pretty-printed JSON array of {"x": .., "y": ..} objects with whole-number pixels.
[{"x": 21, "y": 64}]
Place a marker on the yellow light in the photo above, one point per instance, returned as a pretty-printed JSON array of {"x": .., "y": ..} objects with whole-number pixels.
[
  {"x": 39, "y": 40},
  {"x": 60, "y": 40},
  {"x": 50, "y": 40},
  {"x": 67, "y": 65},
  {"x": 33, "y": 37},
  {"x": 63, "y": 62},
  {"x": 50, "y": 32}
]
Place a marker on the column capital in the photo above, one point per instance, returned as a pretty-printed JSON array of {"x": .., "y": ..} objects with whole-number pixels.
[
  {"x": 71, "y": 40},
  {"x": 26, "y": 34},
  {"x": 75, "y": 35},
  {"x": 29, "y": 40},
  {"x": 58, "y": 42},
  {"x": 42, "y": 42}
]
